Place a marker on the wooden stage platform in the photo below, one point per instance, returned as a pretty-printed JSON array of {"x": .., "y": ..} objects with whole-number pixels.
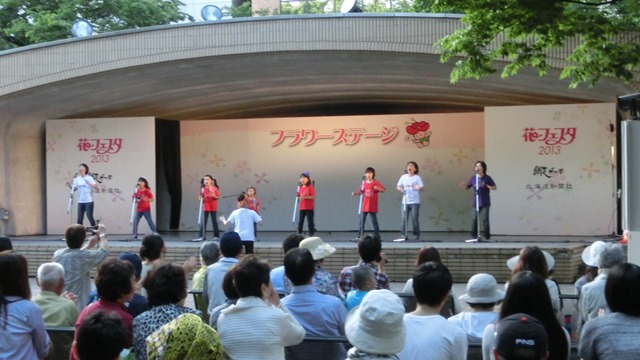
[{"x": 463, "y": 259}]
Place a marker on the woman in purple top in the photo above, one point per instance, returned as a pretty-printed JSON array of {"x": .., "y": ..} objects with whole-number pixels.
[{"x": 483, "y": 184}]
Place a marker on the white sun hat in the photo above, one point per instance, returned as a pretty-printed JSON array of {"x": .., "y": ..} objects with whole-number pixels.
[
  {"x": 551, "y": 262},
  {"x": 377, "y": 326},
  {"x": 318, "y": 248},
  {"x": 482, "y": 289},
  {"x": 590, "y": 253}
]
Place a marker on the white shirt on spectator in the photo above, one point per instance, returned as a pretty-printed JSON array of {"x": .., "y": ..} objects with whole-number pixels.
[
  {"x": 255, "y": 329},
  {"x": 473, "y": 323},
  {"x": 433, "y": 337},
  {"x": 592, "y": 299}
]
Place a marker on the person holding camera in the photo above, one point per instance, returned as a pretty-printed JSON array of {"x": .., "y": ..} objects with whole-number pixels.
[
  {"x": 371, "y": 255},
  {"x": 78, "y": 260}
]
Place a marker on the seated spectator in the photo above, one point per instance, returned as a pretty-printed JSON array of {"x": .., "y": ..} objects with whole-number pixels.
[
  {"x": 375, "y": 328},
  {"x": 592, "y": 298},
  {"x": 319, "y": 314},
  {"x": 533, "y": 259},
  {"x": 116, "y": 285},
  {"x": 323, "y": 280},
  {"x": 138, "y": 303},
  {"x": 259, "y": 303},
  {"x": 56, "y": 309},
  {"x": 185, "y": 337},
  {"x": 22, "y": 332},
  {"x": 209, "y": 255},
  {"x": 78, "y": 260},
  {"x": 364, "y": 280},
  {"x": 588, "y": 274},
  {"x": 425, "y": 254},
  {"x": 231, "y": 250},
  {"x": 482, "y": 296},
  {"x": 101, "y": 336},
  {"x": 277, "y": 274},
  {"x": 151, "y": 251},
  {"x": 231, "y": 294},
  {"x": 520, "y": 337},
  {"x": 428, "y": 332},
  {"x": 615, "y": 335},
  {"x": 5, "y": 245},
  {"x": 369, "y": 250},
  {"x": 528, "y": 293},
  {"x": 167, "y": 290}
]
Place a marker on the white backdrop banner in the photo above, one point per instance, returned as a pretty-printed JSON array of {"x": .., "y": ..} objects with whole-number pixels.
[
  {"x": 117, "y": 151},
  {"x": 270, "y": 154},
  {"x": 555, "y": 169}
]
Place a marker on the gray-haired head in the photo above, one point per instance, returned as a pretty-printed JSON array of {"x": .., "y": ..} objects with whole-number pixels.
[
  {"x": 210, "y": 252},
  {"x": 611, "y": 255},
  {"x": 50, "y": 275},
  {"x": 360, "y": 275}
]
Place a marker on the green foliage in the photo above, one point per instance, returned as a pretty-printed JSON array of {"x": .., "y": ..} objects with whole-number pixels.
[
  {"x": 305, "y": 7},
  {"x": 25, "y": 22},
  {"x": 523, "y": 33},
  {"x": 240, "y": 11}
]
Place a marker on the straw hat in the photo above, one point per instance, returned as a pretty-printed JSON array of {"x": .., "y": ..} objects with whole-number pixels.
[
  {"x": 511, "y": 263},
  {"x": 482, "y": 289},
  {"x": 376, "y": 326},
  {"x": 318, "y": 248}
]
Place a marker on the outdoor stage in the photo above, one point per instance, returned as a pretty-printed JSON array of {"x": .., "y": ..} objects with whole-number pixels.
[{"x": 463, "y": 259}]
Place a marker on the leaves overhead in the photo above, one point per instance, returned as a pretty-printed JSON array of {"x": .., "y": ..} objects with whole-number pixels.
[
  {"x": 25, "y": 22},
  {"x": 604, "y": 36}
]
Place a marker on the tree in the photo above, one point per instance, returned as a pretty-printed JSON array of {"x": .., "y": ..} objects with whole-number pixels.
[
  {"x": 523, "y": 32},
  {"x": 26, "y": 22}
]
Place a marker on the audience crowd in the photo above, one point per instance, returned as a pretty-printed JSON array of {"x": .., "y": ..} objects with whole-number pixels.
[{"x": 249, "y": 310}]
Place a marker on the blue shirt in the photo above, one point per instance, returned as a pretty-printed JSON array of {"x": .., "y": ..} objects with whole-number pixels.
[
  {"x": 212, "y": 291},
  {"x": 24, "y": 336},
  {"x": 319, "y": 314},
  {"x": 354, "y": 298}
]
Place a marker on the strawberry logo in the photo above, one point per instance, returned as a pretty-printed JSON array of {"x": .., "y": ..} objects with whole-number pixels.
[{"x": 419, "y": 133}]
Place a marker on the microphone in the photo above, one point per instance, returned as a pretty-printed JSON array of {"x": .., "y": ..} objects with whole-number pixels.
[
  {"x": 299, "y": 183},
  {"x": 137, "y": 185},
  {"x": 364, "y": 178}
]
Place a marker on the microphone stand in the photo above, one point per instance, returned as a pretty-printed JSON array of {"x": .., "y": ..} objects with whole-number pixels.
[
  {"x": 478, "y": 237},
  {"x": 70, "y": 201},
  {"x": 201, "y": 201},
  {"x": 361, "y": 194},
  {"x": 477, "y": 188},
  {"x": 133, "y": 205},
  {"x": 295, "y": 205},
  {"x": 404, "y": 217}
]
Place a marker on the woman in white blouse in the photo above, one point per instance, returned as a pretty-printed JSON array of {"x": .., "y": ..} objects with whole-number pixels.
[{"x": 258, "y": 326}]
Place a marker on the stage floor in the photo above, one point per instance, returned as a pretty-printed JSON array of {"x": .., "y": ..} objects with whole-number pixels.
[
  {"x": 463, "y": 259},
  {"x": 347, "y": 238}
]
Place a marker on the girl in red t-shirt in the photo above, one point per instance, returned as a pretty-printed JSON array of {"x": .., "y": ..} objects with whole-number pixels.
[
  {"x": 306, "y": 198},
  {"x": 209, "y": 194},
  {"x": 369, "y": 190},
  {"x": 144, "y": 197}
]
